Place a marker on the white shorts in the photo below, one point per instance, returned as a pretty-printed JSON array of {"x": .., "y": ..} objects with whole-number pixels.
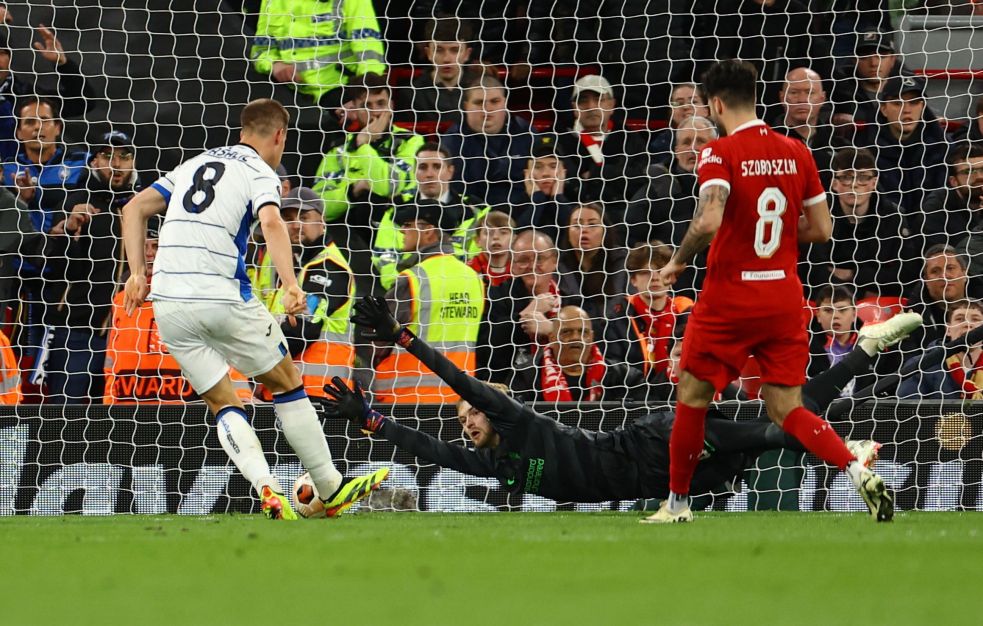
[{"x": 206, "y": 337}]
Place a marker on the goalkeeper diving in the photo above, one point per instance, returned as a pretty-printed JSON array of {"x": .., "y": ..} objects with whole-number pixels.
[{"x": 530, "y": 453}]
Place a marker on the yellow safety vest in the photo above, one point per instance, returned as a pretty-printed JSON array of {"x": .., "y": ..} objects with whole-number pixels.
[
  {"x": 332, "y": 354},
  {"x": 448, "y": 301}
]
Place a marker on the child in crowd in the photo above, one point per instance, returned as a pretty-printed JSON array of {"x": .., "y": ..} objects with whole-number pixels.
[{"x": 493, "y": 235}]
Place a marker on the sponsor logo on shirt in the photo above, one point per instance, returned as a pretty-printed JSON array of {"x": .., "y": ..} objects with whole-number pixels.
[
  {"x": 763, "y": 275},
  {"x": 707, "y": 156}
]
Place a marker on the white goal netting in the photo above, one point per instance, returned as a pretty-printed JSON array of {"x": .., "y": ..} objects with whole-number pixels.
[{"x": 546, "y": 152}]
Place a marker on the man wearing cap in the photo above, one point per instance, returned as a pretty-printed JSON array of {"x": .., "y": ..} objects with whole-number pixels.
[
  {"x": 112, "y": 178},
  {"x": 541, "y": 202},
  {"x": 608, "y": 163},
  {"x": 439, "y": 297},
  {"x": 908, "y": 143},
  {"x": 71, "y": 91},
  {"x": 856, "y": 86},
  {"x": 320, "y": 340},
  {"x": 84, "y": 248},
  {"x": 434, "y": 172}
]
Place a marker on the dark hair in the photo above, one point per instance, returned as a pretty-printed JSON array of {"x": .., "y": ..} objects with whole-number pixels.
[
  {"x": 39, "y": 100},
  {"x": 834, "y": 293},
  {"x": 264, "y": 116},
  {"x": 961, "y": 304},
  {"x": 944, "y": 248},
  {"x": 609, "y": 260},
  {"x": 485, "y": 81},
  {"x": 853, "y": 159},
  {"x": 449, "y": 28},
  {"x": 364, "y": 85},
  {"x": 652, "y": 255},
  {"x": 961, "y": 153},
  {"x": 433, "y": 146},
  {"x": 733, "y": 81}
]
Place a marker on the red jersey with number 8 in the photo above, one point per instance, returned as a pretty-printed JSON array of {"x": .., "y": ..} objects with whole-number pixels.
[{"x": 751, "y": 267}]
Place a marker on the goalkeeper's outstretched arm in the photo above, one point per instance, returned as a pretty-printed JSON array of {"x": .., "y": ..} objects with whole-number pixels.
[
  {"x": 374, "y": 315},
  {"x": 431, "y": 450},
  {"x": 349, "y": 403}
]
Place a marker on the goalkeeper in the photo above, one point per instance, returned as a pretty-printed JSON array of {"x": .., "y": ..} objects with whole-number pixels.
[{"x": 530, "y": 453}]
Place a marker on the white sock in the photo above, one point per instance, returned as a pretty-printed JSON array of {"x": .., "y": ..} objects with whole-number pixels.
[
  {"x": 677, "y": 502},
  {"x": 300, "y": 425},
  {"x": 239, "y": 441},
  {"x": 854, "y": 470}
]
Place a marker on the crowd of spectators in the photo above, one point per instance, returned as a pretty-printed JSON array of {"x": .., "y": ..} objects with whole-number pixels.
[{"x": 529, "y": 257}]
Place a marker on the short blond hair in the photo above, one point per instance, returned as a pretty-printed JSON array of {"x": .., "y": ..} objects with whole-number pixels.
[
  {"x": 495, "y": 219},
  {"x": 496, "y": 386},
  {"x": 264, "y": 117}
]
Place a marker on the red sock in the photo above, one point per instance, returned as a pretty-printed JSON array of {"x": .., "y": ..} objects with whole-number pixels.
[
  {"x": 817, "y": 436},
  {"x": 685, "y": 446}
]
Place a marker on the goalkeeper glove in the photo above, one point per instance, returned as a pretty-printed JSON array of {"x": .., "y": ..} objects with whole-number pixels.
[
  {"x": 378, "y": 323},
  {"x": 350, "y": 404}
]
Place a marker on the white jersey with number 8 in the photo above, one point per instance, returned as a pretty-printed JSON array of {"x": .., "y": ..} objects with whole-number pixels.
[{"x": 212, "y": 201}]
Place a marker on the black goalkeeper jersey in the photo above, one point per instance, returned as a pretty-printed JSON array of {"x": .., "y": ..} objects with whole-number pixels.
[{"x": 538, "y": 455}]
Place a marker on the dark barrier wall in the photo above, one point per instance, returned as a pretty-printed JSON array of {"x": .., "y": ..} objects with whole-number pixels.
[{"x": 102, "y": 460}]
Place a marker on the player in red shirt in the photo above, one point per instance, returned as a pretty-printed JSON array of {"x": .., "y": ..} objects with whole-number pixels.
[{"x": 760, "y": 196}]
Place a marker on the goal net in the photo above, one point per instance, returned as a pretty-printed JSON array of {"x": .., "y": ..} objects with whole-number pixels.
[{"x": 511, "y": 179}]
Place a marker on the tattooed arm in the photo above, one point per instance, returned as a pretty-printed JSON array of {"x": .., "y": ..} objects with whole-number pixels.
[{"x": 706, "y": 221}]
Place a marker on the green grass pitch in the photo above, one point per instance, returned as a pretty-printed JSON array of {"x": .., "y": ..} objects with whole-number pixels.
[{"x": 506, "y": 568}]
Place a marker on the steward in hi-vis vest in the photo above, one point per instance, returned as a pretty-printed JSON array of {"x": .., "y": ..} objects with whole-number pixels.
[
  {"x": 326, "y": 43},
  {"x": 434, "y": 172},
  {"x": 320, "y": 343},
  {"x": 439, "y": 298}
]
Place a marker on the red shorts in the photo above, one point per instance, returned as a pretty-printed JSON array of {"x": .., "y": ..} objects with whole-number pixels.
[{"x": 715, "y": 349}]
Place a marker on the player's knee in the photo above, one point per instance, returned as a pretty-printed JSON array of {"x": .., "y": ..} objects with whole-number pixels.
[
  {"x": 776, "y": 414},
  {"x": 282, "y": 378},
  {"x": 694, "y": 392},
  {"x": 780, "y": 401}
]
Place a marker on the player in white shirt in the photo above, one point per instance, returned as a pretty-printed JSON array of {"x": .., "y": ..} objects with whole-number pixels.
[{"x": 204, "y": 306}]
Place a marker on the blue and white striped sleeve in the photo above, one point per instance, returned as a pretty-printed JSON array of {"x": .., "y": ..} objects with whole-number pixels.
[
  {"x": 264, "y": 189},
  {"x": 165, "y": 186}
]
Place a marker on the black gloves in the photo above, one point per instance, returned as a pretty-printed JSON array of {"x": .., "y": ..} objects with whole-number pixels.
[
  {"x": 378, "y": 323},
  {"x": 351, "y": 405}
]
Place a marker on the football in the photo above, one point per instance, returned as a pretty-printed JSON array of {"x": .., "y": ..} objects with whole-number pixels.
[{"x": 306, "y": 501}]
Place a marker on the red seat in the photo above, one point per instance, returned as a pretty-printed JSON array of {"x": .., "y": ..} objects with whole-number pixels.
[
  {"x": 879, "y": 308},
  {"x": 643, "y": 124},
  {"x": 809, "y": 312}
]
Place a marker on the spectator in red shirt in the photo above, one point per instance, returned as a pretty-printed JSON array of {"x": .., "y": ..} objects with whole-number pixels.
[
  {"x": 494, "y": 237},
  {"x": 642, "y": 325},
  {"x": 518, "y": 311}
]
